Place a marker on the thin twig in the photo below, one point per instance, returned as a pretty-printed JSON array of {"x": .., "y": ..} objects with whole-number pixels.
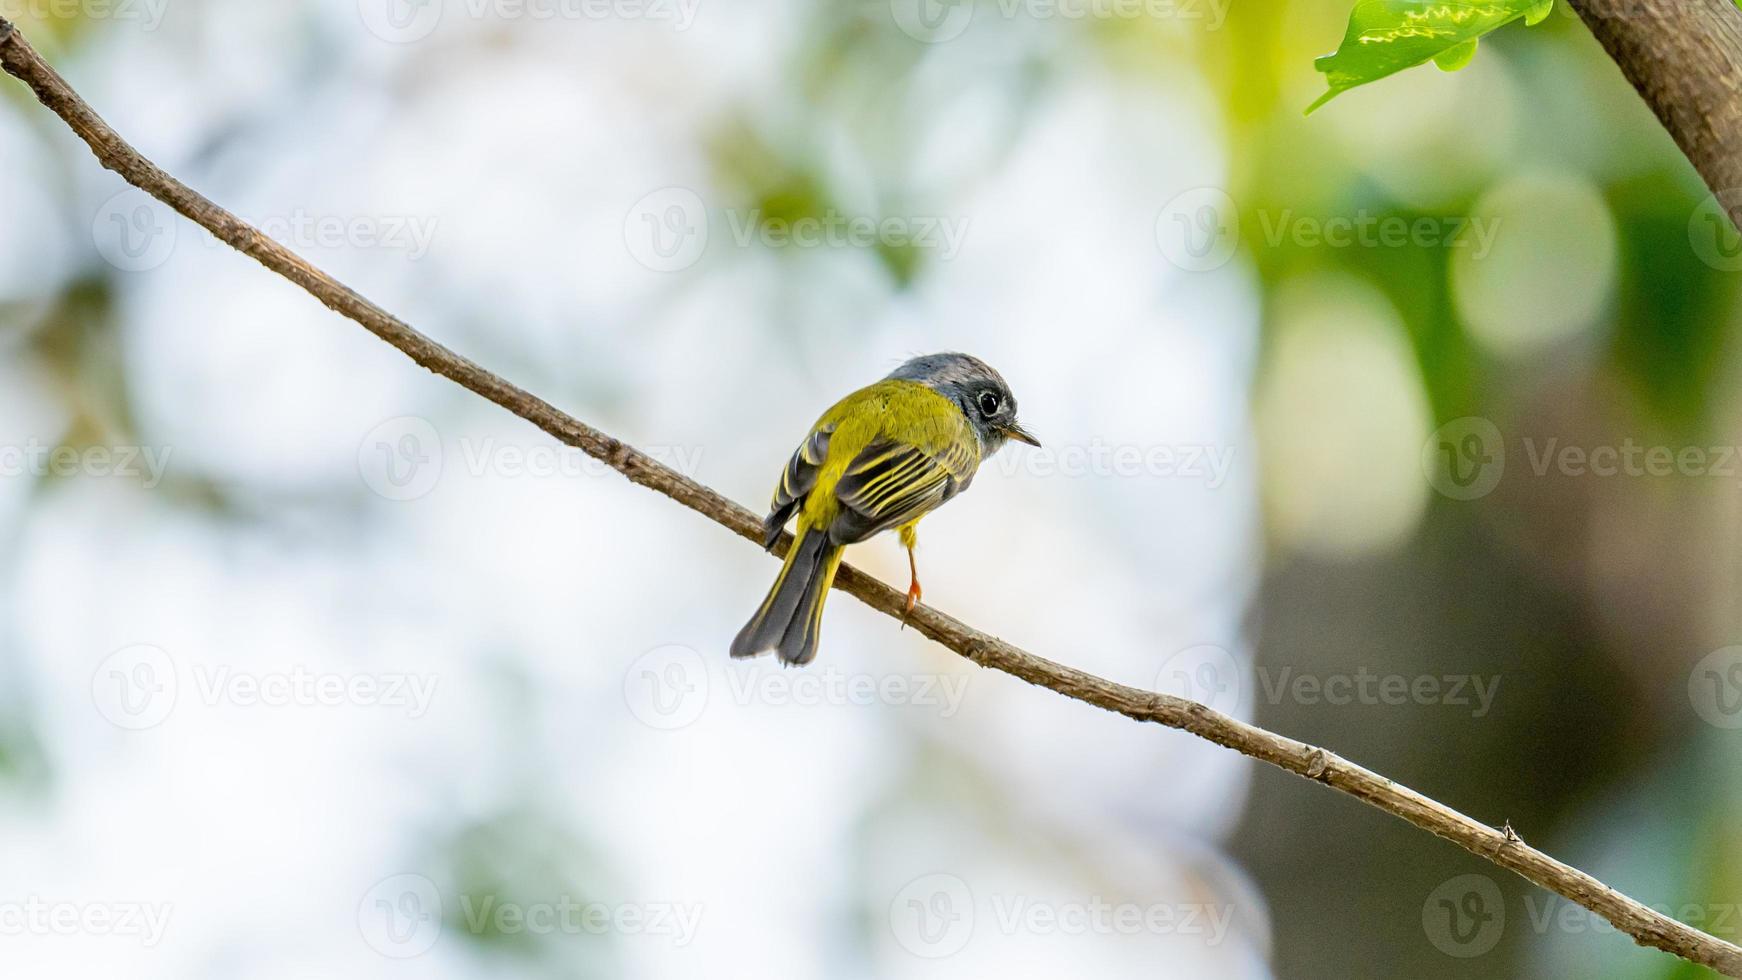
[{"x": 1506, "y": 849}]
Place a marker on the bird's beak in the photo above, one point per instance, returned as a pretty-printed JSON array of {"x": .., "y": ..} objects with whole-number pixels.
[{"x": 1020, "y": 434}]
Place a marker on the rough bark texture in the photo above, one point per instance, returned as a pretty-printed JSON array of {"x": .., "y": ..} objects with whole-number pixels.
[
  {"x": 1501, "y": 846},
  {"x": 1685, "y": 58}
]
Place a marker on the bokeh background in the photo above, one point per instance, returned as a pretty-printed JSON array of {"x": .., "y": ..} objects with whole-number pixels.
[{"x": 1407, "y": 428}]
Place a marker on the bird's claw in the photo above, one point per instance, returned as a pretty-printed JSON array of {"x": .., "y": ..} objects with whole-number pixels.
[{"x": 913, "y": 595}]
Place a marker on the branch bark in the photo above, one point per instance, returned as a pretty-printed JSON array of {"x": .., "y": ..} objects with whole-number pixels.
[
  {"x": 1500, "y": 846},
  {"x": 1685, "y": 58}
]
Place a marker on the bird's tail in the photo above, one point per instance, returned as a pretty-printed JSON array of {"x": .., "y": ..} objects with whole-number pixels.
[{"x": 789, "y": 620}]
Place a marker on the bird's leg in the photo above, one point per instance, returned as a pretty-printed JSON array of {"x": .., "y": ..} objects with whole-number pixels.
[
  {"x": 913, "y": 590},
  {"x": 909, "y": 538}
]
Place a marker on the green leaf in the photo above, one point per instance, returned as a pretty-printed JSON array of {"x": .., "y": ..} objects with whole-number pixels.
[
  {"x": 1456, "y": 56},
  {"x": 1387, "y": 36}
]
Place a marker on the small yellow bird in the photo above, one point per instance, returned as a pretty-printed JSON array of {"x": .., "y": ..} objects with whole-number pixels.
[{"x": 884, "y": 456}]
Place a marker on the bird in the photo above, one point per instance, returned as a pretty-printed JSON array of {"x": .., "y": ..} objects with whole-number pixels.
[{"x": 883, "y": 457}]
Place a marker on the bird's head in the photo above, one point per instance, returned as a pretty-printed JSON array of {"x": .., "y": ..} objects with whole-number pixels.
[{"x": 977, "y": 390}]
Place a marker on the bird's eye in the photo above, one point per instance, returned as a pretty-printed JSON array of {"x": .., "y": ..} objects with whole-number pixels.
[{"x": 989, "y": 402}]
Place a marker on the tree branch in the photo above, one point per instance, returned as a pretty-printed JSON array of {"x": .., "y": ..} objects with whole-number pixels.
[
  {"x": 1685, "y": 58},
  {"x": 1502, "y": 847}
]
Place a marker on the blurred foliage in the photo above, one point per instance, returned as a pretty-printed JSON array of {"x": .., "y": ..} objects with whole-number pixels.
[
  {"x": 518, "y": 861},
  {"x": 1673, "y": 316},
  {"x": 25, "y": 770}
]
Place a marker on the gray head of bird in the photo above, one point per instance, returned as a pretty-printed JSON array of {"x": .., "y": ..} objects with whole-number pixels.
[{"x": 978, "y": 390}]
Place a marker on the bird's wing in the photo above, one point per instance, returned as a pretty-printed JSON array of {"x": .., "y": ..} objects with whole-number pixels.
[
  {"x": 796, "y": 481},
  {"x": 892, "y": 482}
]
